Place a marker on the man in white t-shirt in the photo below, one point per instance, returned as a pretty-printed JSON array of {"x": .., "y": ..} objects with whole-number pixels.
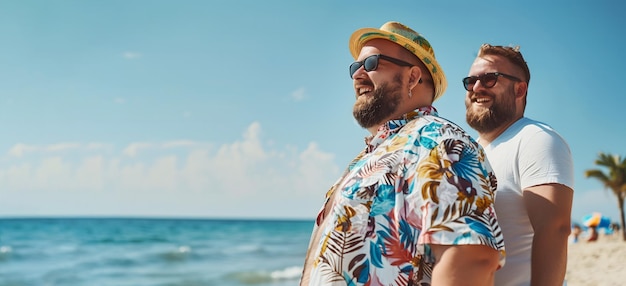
[{"x": 533, "y": 167}]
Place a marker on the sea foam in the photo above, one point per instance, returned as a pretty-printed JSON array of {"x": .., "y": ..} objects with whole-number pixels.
[{"x": 260, "y": 277}]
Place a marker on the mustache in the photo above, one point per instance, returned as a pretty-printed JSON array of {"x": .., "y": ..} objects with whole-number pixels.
[
  {"x": 363, "y": 82},
  {"x": 473, "y": 95}
]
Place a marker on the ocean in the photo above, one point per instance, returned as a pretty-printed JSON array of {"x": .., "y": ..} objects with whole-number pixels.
[{"x": 155, "y": 252}]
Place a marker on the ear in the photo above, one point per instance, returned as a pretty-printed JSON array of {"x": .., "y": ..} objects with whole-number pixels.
[
  {"x": 414, "y": 77},
  {"x": 521, "y": 88}
]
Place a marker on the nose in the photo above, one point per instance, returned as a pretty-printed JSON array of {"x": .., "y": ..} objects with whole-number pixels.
[
  {"x": 477, "y": 85},
  {"x": 359, "y": 73}
]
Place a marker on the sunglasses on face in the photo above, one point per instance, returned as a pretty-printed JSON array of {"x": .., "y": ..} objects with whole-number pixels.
[
  {"x": 487, "y": 80},
  {"x": 371, "y": 63}
]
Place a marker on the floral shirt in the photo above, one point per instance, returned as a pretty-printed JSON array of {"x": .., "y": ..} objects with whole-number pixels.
[{"x": 421, "y": 180}]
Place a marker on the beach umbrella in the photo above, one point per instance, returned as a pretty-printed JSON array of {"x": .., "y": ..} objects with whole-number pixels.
[{"x": 596, "y": 220}]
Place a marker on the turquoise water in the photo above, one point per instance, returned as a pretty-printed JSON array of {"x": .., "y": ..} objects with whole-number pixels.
[{"x": 114, "y": 251}]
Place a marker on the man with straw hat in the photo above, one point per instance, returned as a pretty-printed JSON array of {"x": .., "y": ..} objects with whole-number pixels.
[{"x": 415, "y": 207}]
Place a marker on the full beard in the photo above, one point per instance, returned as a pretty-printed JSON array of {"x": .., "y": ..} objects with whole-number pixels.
[
  {"x": 376, "y": 108},
  {"x": 485, "y": 120}
]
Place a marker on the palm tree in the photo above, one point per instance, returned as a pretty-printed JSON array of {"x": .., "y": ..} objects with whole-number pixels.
[{"x": 615, "y": 180}]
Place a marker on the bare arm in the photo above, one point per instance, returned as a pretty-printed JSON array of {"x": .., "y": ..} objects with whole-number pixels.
[
  {"x": 460, "y": 265},
  {"x": 549, "y": 210}
]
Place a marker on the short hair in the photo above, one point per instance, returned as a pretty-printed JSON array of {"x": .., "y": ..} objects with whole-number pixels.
[{"x": 511, "y": 53}]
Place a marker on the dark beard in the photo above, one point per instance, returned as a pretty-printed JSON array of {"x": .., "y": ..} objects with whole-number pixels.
[
  {"x": 501, "y": 112},
  {"x": 383, "y": 102}
]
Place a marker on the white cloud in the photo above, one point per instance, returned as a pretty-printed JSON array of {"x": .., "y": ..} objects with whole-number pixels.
[
  {"x": 132, "y": 149},
  {"x": 299, "y": 94},
  {"x": 119, "y": 100},
  {"x": 90, "y": 174},
  {"x": 181, "y": 177},
  {"x": 52, "y": 173},
  {"x": 246, "y": 177},
  {"x": 62, "y": 147},
  {"x": 131, "y": 55},
  {"x": 19, "y": 149}
]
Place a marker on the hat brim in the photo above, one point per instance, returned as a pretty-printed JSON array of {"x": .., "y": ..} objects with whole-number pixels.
[{"x": 361, "y": 36}]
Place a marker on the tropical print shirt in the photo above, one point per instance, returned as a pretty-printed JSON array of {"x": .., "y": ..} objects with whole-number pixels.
[{"x": 421, "y": 180}]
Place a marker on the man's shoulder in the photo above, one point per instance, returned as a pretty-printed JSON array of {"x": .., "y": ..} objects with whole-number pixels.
[
  {"x": 431, "y": 123},
  {"x": 432, "y": 120},
  {"x": 526, "y": 129},
  {"x": 526, "y": 124},
  {"x": 430, "y": 131},
  {"x": 529, "y": 138}
]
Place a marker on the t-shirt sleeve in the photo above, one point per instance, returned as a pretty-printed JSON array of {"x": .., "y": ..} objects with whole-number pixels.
[{"x": 545, "y": 158}]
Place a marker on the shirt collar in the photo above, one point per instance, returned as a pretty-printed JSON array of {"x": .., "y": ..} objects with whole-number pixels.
[{"x": 392, "y": 127}]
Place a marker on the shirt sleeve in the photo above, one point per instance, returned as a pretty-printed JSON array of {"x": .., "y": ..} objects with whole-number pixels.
[
  {"x": 458, "y": 188},
  {"x": 545, "y": 158}
]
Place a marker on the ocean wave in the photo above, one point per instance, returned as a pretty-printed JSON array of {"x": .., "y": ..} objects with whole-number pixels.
[
  {"x": 178, "y": 254},
  {"x": 129, "y": 240},
  {"x": 260, "y": 277},
  {"x": 5, "y": 252},
  {"x": 247, "y": 248}
]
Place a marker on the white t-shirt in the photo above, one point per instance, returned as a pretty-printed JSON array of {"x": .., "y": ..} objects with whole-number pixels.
[{"x": 527, "y": 154}]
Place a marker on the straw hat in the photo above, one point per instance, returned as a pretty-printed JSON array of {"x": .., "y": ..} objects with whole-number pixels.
[{"x": 410, "y": 40}]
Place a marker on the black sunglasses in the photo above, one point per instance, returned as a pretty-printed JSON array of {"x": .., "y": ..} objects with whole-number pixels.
[
  {"x": 487, "y": 80},
  {"x": 371, "y": 63}
]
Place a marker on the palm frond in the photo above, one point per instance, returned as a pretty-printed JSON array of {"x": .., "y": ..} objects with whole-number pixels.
[{"x": 613, "y": 177}]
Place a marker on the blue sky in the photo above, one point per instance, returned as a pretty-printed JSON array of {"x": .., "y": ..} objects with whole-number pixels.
[{"x": 243, "y": 108}]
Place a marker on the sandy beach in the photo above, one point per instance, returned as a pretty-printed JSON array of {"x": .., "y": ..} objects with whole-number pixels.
[{"x": 599, "y": 263}]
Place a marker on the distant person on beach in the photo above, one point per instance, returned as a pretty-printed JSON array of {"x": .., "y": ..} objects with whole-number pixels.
[
  {"x": 576, "y": 231},
  {"x": 533, "y": 165},
  {"x": 415, "y": 207},
  {"x": 613, "y": 229},
  {"x": 593, "y": 234}
]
